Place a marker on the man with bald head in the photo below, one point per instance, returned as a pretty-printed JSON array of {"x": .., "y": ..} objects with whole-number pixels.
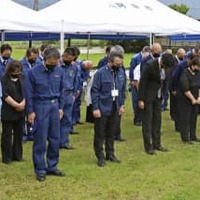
[
  {"x": 156, "y": 50},
  {"x": 180, "y": 55},
  {"x": 83, "y": 74}
]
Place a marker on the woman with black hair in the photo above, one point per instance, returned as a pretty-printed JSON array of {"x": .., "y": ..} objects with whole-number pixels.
[
  {"x": 188, "y": 100},
  {"x": 13, "y": 105}
]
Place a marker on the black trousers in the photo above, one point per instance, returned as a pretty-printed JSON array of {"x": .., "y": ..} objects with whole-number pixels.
[
  {"x": 89, "y": 115},
  {"x": 118, "y": 127},
  {"x": 11, "y": 140},
  {"x": 174, "y": 111},
  {"x": 151, "y": 124},
  {"x": 104, "y": 131},
  {"x": 187, "y": 119}
]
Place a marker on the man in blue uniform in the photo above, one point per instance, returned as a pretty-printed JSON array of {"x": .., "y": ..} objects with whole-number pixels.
[
  {"x": 70, "y": 91},
  {"x": 30, "y": 60},
  {"x": 45, "y": 102},
  {"x": 6, "y": 51},
  {"x": 42, "y": 49},
  {"x": 136, "y": 60},
  {"x": 108, "y": 93},
  {"x": 83, "y": 73},
  {"x": 104, "y": 60}
]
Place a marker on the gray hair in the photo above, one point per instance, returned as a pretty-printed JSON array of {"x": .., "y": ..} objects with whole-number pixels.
[
  {"x": 51, "y": 52},
  {"x": 118, "y": 49}
]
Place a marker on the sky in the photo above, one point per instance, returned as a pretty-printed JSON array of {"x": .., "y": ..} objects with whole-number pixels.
[
  {"x": 42, "y": 3},
  {"x": 194, "y": 6}
]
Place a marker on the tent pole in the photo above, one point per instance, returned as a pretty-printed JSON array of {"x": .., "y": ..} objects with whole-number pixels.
[
  {"x": 151, "y": 39},
  {"x": 30, "y": 39},
  {"x": 88, "y": 46},
  {"x": 62, "y": 37},
  {"x": 2, "y": 36}
]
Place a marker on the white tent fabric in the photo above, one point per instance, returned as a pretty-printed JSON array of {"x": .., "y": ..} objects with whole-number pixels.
[
  {"x": 15, "y": 17},
  {"x": 106, "y": 16}
]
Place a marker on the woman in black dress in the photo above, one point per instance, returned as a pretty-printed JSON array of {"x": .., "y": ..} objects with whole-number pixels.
[
  {"x": 13, "y": 105},
  {"x": 189, "y": 100}
]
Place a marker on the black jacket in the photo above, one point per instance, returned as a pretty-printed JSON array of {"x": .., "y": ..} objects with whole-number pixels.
[
  {"x": 150, "y": 81},
  {"x": 9, "y": 89}
]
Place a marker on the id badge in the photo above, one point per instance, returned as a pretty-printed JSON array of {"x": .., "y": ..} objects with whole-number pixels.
[{"x": 115, "y": 93}]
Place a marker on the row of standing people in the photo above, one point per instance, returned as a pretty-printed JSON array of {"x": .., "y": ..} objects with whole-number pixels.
[
  {"x": 44, "y": 92},
  {"x": 151, "y": 86}
]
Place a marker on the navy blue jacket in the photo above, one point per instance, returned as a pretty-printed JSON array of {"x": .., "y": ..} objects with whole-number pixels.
[
  {"x": 83, "y": 76},
  {"x": 27, "y": 66},
  {"x": 103, "y": 84},
  {"x": 177, "y": 73},
  {"x": 102, "y": 62},
  {"x": 42, "y": 84},
  {"x": 136, "y": 60},
  {"x": 3, "y": 67},
  {"x": 70, "y": 77}
]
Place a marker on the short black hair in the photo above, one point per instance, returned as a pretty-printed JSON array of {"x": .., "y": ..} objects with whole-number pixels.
[
  {"x": 77, "y": 50},
  {"x": 70, "y": 51},
  {"x": 31, "y": 50},
  {"x": 167, "y": 60},
  {"x": 194, "y": 61},
  {"x": 6, "y": 47},
  {"x": 51, "y": 52},
  {"x": 44, "y": 46}
]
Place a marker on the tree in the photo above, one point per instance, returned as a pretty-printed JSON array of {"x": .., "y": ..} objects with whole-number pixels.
[{"x": 182, "y": 8}]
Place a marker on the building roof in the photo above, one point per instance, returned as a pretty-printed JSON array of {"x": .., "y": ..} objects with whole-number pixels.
[{"x": 194, "y": 6}]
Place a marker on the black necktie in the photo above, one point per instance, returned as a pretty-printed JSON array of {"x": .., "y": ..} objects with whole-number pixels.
[{"x": 4, "y": 63}]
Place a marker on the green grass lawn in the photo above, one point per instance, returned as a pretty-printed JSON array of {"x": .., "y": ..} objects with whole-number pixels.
[{"x": 174, "y": 175}]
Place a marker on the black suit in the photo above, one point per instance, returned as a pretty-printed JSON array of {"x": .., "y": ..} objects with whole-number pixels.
[{"x": 150, "y": 83}]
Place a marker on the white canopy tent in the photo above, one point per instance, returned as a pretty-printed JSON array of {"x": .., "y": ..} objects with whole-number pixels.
[
  {"x": 116, "y": 16},
  {"x": 15, "y": 17}
]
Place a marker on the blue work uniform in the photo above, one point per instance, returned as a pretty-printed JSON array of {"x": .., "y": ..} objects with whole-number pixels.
[
  {"x": 136, "y": 60},
  {"x": 70, "y": 89},
  {"x": 105, "y": 82},
  {"x": 28, "y": 129},
  {"x": 102, "y": 62},
  {"x": 27, "y": 66},
  {"x": 44, "y": 97},
  {"x": 83, "y": 76},
  {"x": 3, "y": 64}
]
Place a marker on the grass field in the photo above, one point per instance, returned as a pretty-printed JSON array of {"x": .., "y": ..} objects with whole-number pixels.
[{"x": 174, "y": 175}]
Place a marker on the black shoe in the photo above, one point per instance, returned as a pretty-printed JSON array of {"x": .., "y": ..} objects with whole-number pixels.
[
  {"x": 120, "y": 139},
  {"x": 160, "y": 148},
  {"x": 138, "y": 123},
  {"x": 101, "y": 162},
  {"x": 195, "y": 140},
  {"x": 40, "y": 177},
  {"x": 18, "y": 160},
  {"x": 67, "y": 146},
  {"x": 7, "y": 162},
  {"x": 56, "y": 173},
  {"x": 187, "y": 142},
  {"x": 80, "y": 123},
  {"x": 74, "y": 133},
  {"x": 150, "y": 152},
  {"x": 113, "y": 159}
]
